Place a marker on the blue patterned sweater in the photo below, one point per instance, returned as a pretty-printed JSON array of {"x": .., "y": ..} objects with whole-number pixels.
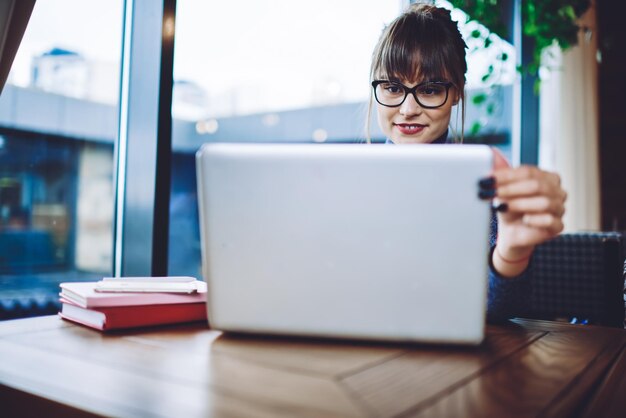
[{"x": 507, "y": 297}]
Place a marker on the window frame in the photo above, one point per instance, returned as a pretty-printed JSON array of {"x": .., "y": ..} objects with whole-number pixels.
[{"x": 143, "y": 147}]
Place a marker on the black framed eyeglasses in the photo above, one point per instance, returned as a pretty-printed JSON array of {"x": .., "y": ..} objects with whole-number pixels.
[{"x": 429, "y": 94}]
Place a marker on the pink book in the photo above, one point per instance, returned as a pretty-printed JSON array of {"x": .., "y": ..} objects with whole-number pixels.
[{"x": 84, "y": 295}]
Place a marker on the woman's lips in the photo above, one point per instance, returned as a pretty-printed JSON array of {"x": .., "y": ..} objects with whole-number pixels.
[{"x": 410, "y": 128}]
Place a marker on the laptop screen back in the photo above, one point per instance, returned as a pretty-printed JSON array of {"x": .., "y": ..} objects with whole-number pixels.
[{"x": 356, "y": 241}]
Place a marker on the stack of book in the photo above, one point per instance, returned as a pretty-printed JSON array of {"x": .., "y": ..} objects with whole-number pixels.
[{"x": 87, "y": 304}]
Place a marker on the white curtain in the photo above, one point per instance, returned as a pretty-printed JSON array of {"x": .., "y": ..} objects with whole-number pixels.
[{"x": 569, "y": 126}]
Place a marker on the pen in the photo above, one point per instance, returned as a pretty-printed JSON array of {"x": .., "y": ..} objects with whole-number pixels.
[{"x": 168, "y": 279}]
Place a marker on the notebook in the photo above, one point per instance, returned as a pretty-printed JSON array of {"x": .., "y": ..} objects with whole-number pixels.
[
  {"x": 84, "y": 294},
  {"x": 374, "y": 242}
]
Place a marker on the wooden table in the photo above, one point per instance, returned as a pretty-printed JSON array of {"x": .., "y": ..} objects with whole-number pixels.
[{"x": 49, "y": 367}]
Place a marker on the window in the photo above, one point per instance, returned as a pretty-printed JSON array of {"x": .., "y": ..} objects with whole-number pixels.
[
  {"x": 281, "y": 71},
  {"x": 58, "y": 124}
]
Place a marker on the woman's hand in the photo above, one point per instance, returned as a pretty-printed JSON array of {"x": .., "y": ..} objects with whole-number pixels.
[{"x": 535, "y": 206}]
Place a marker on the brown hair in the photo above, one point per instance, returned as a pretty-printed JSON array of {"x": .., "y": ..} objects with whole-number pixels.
[{"x": 423, "y": 43}]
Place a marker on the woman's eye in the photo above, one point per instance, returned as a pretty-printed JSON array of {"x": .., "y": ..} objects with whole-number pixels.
[
  {"x": 430, "y": 90},
  {"x": 392, "y": 88}
]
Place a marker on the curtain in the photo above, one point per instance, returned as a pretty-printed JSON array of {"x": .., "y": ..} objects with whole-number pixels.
[{"x": 569, "y": 125}]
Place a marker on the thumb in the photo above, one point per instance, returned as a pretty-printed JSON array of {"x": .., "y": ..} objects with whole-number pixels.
[{"x": 499, "y": 160}]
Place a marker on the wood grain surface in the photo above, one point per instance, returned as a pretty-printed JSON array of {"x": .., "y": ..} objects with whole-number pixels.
[{"x": 50, "y": 367}]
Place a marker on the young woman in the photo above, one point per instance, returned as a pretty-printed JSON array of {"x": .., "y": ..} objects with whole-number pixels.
[{"x": 418, "y": 75}]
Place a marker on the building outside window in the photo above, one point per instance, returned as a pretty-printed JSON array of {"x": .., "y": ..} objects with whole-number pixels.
[{"x": 58, "y": 123}]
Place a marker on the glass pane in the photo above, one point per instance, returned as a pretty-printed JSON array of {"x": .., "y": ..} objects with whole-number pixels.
[
  {"x": 490, "y": 80},
  {"x": 265, "y": 71},
  {"x": 58, "y": 124}
]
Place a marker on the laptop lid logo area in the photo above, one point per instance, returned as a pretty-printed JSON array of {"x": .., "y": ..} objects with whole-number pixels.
[{"x": 365, "y": 242}]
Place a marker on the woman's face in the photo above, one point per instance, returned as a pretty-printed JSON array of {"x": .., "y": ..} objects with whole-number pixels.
[{"x": 410, "y": 123}]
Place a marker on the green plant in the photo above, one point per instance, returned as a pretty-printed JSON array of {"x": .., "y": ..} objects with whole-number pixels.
[{"x": 544, "y": 22}]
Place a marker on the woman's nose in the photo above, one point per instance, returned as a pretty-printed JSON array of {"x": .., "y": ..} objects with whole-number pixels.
[{"x": 410, "y": 106}]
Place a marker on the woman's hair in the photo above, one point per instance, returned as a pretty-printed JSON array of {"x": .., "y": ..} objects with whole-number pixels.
[{"x": 423, "y": 43}]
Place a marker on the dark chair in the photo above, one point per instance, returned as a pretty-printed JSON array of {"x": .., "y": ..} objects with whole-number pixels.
[{"x": 579, "y": 278}]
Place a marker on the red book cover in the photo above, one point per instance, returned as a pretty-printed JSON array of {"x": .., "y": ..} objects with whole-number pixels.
[
  {"x": 84, "y": 295},
  {"x": 120, "y": 317}
]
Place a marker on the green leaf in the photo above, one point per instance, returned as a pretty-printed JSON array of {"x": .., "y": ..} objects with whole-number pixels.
[
  {"x": 479, "y": 98},
  {"x": 568, "y": 12},
  {"x": 475, "y": 129}
]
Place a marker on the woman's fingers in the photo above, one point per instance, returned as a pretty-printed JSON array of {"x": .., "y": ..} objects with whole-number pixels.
[
  {"x": 537, "y": 205},
  {"x": 526, "y": 187},
  {"x": 535, "y": 201},
  {"x": 530, "y": 190},
  {"x": 546, "y": 221},
  {"x": 506, "y": 176},
  {"x": 499, "y": 160}
]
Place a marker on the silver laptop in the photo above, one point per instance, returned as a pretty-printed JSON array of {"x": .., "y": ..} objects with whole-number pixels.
[{"x": 352, "y": 241}]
